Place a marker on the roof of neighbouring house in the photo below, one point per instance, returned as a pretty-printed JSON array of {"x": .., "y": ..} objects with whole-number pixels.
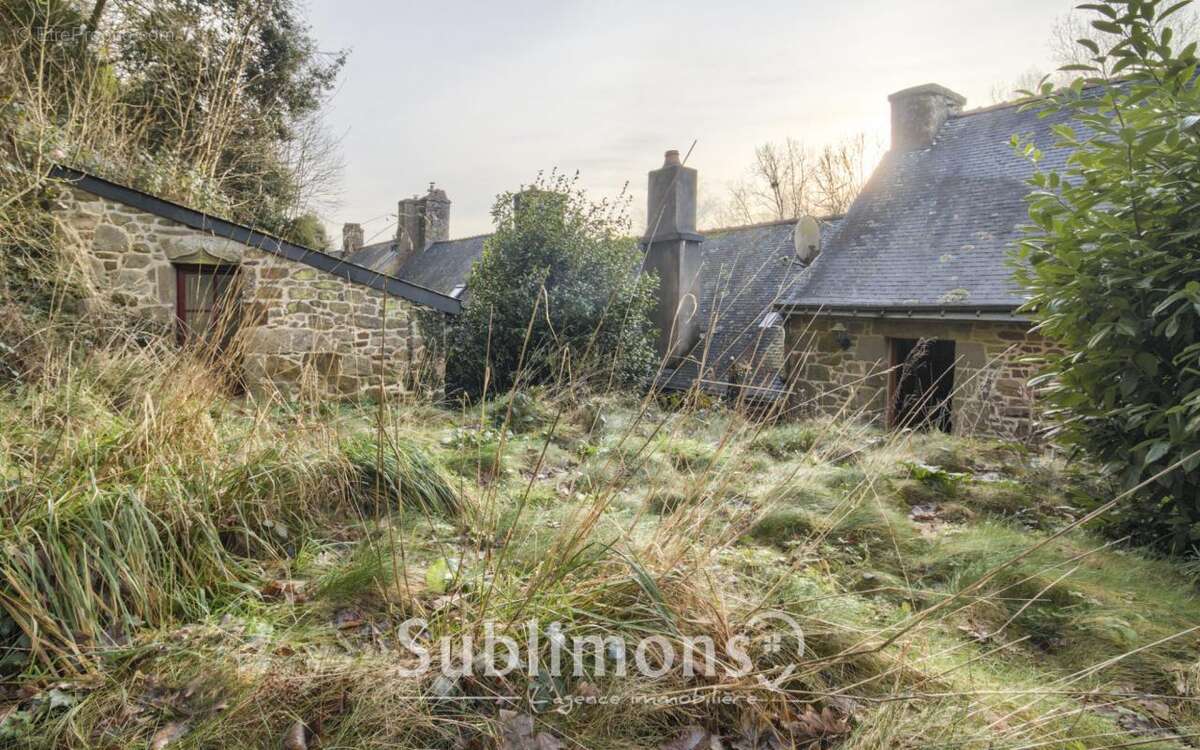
[
  {"x": 380, "y": 256},
  {"x": 745, "y": 271},
  {"x": 934, "y": 228},
  {"x": 443, "y": 266},
  {"x": 218, "y": 227}
]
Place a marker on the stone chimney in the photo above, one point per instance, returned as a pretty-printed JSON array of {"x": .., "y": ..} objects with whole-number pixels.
[
  {"x": 673, "y": 252},
  {"x": 919, "y": 113},
  {"x": 422, "y": 222},
  {"x": 352, "y": 238}
]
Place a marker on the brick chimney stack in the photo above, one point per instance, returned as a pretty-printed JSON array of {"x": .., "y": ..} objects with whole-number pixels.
[
  {"x": 918, "y": 113},
  {"x": 673, "y": 252},
  {"x": 352, "y": 238},
  {"x": 422, "y": 222}
]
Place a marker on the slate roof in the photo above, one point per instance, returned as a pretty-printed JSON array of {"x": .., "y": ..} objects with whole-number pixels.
[
  {"x": 744, "y": 273},
  {"x": 380, "y": 257},
  {"x": 933, "y": 228},
  {"x": 442, "y": 266}
]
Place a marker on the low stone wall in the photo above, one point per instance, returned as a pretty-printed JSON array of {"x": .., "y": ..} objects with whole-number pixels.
[
  {"x": 995, "y": 361},
  {"x": 299, "y": 327}
]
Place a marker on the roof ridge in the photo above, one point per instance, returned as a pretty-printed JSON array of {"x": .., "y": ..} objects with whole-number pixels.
[
  {"x": 1025, "y": 100},
  {"x": 994, "y": 107},
  {"x": 772, "y": 223},
  {"x": 463, "y": 239}
]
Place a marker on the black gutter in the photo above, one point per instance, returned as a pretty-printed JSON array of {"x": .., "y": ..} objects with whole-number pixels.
[
  {"x": 998, "y": 313},
  {"x": 355, "y": 274}
]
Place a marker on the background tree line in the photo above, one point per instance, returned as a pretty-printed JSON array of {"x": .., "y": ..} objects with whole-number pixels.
[
  {"x": 212, "y": 102},
  {"x": 787, "y": 180}
]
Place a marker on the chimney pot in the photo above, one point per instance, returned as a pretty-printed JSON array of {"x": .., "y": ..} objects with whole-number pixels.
[
  {"x": 671, "y": 200},
  {"x": 918, "y": 113},
  {"x": 352, "y": 237}
]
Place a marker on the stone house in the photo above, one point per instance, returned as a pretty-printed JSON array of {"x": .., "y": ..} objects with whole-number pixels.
[
  {"x": 909, "y": 314},
  {"x": 902, "y": 312},
  {"x": 717, "y": 287},
  {"x": 295, "y": 317},
  {"x": 421, "y": 251}
]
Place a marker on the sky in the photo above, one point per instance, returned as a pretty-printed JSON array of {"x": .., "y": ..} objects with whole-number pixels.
[{"x": 480, "y": 96}]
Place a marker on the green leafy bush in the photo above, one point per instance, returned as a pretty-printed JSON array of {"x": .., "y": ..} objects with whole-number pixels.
[
  {"x": 558, "y": 293},
  {"x": 1113, "y": 265}
]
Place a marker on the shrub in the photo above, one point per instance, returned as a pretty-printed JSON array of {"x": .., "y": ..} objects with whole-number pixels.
[
  {"x": 558, "y": 292},
  {"x": 520, "y": 411},
  {"x": 1114, "y": 267}
]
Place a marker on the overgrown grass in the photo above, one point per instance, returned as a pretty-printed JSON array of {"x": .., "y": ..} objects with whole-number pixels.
[{"x": 232, "y": 570}]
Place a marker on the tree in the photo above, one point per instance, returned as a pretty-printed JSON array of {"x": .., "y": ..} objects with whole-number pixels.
[
  {"x": 558, "y": 293},
  {"x": 1065, "y": 49},
  {"x": 789, "y": 180},
  {"x": 210, "y": 102},
  {"x": 308, "y": 230},
  {"x": 1113, "y": 265}
]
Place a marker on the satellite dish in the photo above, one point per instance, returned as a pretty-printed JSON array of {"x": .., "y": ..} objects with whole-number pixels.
[{"x": 807, "y": 238}]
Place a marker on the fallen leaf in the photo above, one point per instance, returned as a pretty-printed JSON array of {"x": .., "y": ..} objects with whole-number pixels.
[
  {"x": 290, "y": 590},
  {"x": 546, "y": 741},
  {"x": 693, "y": 737},
  {"x": 168, "y": 734},
  {"x": 586, "y": 689},
  {"x": 812, "y": 725},
  {"x": 1156, "y": 708},
  {"x": 348, "y": 618},
  {"x": 516, "y": 730},
  {"x": 296, "y": 737},
  {"x": 516, "y": 733},
  {"x": 61, "y": 699}
]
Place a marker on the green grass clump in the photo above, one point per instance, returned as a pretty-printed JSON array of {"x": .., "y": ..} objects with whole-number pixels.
[
  {"x": 663, "y": 501},
  {"x": 782, "y": 442},
  {"x": 783, "y": 525},
  {"x": 687, "y": 455},
  {"x": 396, "y": 473},
  {"x": 478, "y": 455},
  {"x": 519, "y": 412}
]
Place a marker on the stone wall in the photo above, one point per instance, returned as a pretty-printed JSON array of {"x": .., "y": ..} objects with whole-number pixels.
[
  {"x": 300, "y": 328},
  {"x": 995, "y": 361}
]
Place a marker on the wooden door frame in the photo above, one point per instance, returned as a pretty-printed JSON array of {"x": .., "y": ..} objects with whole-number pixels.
[
  {"x": 893, "y": 380},
  {"x": 182, "y": 270}
]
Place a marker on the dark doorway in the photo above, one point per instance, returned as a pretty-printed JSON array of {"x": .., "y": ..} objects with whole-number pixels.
[
  {"x": 922, "y": 384},
  {"x": 205, "y": 304}
]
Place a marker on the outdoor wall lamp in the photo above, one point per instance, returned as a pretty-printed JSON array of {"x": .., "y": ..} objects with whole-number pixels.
[{"x": 841, "y": 336}]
